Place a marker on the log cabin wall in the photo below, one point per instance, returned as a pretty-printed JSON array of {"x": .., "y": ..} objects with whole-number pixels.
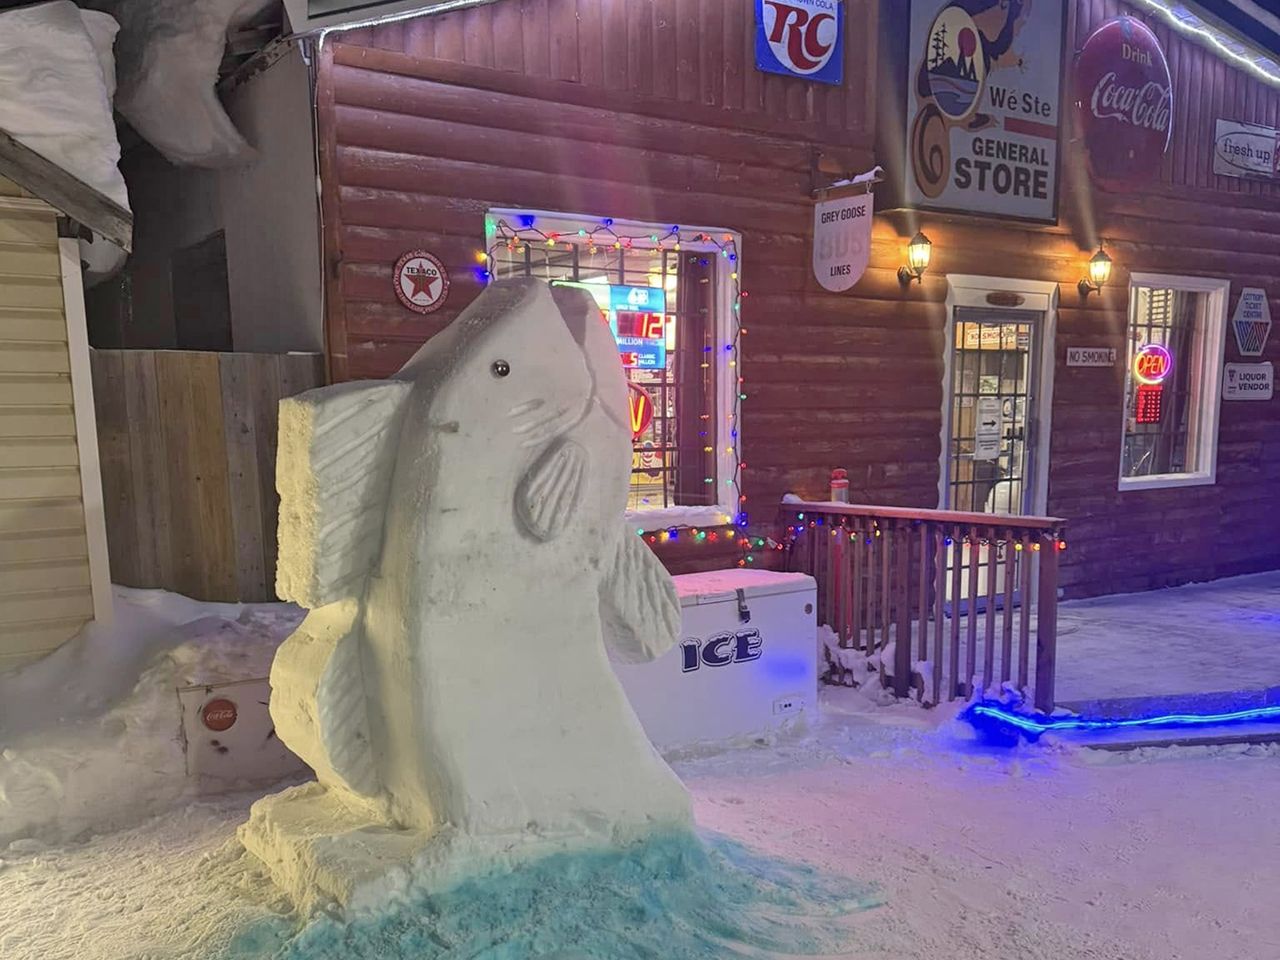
[
  {"x": 649, "y": 111},
  {"x": 655, "y": 111},
  {"x": 1185, "y": 221}
]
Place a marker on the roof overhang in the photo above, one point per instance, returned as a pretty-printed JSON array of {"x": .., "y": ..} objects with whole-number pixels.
[
  {"x": 65, "y": 193},
  {"x": 310, "y": 16},
  {"x": 1240, "y": 32}
]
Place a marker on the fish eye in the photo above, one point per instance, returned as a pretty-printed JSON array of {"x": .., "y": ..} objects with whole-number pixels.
[{"x": 500, "y": 368}]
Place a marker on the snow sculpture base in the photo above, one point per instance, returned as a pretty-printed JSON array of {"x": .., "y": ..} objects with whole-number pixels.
[
  {"x": 457, "y": 534},
  {"x": 319, "y": 852}
]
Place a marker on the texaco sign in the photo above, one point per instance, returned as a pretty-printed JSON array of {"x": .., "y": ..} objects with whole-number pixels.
[{"x": 421, "y": 281}]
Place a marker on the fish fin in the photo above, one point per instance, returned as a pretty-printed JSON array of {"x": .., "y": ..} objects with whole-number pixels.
[
  {"x": 337, "y": 451},
  {"x": 639, "y": 609},
  {"x": 549, "y": 493},
  {"x": 318, "y": 700}
]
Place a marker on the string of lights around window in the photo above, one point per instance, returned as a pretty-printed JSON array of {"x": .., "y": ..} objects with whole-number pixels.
[{"x": 604, "y": 236}]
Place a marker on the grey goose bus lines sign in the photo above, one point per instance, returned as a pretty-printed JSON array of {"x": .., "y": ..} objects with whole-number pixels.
[{"x": 983, "y": 106}]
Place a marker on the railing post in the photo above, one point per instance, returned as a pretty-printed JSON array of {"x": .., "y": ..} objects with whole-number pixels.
[{"x": 1046, "y": 622}]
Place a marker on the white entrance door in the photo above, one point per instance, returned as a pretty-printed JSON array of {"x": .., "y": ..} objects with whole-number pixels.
[
  {"x": 991, "y": 456},
  {"x": 993, "y": 406}
]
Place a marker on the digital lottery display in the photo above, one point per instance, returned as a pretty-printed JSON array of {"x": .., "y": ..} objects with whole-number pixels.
[{"x": 637, "y": 319}]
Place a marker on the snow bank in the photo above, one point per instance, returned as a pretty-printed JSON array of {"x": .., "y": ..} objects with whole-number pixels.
[
  {"x": 56, "y": 82},
  {"x": 90, "y": 736}
]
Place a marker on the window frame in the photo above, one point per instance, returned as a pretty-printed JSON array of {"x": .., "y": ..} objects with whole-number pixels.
[
  {"x": 1205, "y": 384},
  {"x": 728, "y": 440}
]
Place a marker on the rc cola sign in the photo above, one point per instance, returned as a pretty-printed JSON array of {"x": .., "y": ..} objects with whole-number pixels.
[
  {"x": 801, "y": 38},
  {"x": 1124, "y": 98},
  {"x": 841, "y": 240}
]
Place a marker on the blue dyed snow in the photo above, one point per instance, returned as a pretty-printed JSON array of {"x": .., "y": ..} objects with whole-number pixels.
[{"x": 675, "y": 897}]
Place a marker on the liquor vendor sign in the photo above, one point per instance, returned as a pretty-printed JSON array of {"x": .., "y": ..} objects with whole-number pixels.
[
  {"x": 1124, "y": 98},
  {"x": 983, "y": 106}
]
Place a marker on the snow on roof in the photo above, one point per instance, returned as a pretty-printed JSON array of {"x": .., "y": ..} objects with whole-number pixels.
[{"x": 57, "y": 77}]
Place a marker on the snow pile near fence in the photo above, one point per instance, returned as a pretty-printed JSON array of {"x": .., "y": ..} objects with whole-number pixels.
[
  {"x": 57, "y": 79},
  {"x": 90, "y": 736}
]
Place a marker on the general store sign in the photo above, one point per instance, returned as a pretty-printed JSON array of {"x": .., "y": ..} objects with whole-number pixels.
[
  {"x": 1124, "y": 96},
  {"x": 801, "y": 38},
  {"x": 1247, "y": 151},
  {"x": 842, "y": 240},
  {"x": 1248, "y": 381},
  {"x": 983, "y": 107}
]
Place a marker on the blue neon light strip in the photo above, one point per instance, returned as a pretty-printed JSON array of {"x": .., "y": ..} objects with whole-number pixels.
[{"x": 1031, "y": 725}]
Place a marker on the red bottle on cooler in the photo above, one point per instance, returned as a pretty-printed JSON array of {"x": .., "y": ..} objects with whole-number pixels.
[{"x": 840, "y": 485}]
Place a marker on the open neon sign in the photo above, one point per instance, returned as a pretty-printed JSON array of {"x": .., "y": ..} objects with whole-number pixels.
[{"x": 1152, "y": 364}]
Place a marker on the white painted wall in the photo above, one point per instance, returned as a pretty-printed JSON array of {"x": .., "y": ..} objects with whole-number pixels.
[
  {"x": 267, "y": 208},
  {"x": 269, "y": 211}
]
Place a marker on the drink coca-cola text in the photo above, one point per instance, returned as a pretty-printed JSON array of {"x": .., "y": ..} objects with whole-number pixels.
[{"x": 1148, "y": 106}]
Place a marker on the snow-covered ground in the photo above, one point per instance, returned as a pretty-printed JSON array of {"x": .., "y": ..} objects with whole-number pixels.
[
  {"x": 886, "y": 833},
  {"x": 91, "y": 735},
  {"x": 959, "y": 852},
  {"x": 1201, "y": 638}
]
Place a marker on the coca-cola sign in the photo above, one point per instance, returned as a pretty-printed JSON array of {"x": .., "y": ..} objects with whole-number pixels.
[{"x": 1124, "y": 98}]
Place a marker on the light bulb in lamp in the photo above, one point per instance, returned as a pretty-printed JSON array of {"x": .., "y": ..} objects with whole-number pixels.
[
  {"x": 1099, "y": 273},
  {"x": 919, "y": 252}
]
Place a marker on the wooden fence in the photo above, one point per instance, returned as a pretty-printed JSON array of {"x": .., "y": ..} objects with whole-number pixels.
[
  {"x": 944, "y": 600},
  {"x": 188, "y": 446}
]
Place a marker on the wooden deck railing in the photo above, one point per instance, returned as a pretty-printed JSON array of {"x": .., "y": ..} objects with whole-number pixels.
[{"x": 942, "y": 600}]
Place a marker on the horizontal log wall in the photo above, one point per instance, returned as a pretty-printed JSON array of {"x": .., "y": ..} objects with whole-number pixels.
[
  {"x": 188, "y": 450},
  {"x": 636, "y": 110},
  {"x": 1184, "y": 221},
  {"x": 654, "y": 111}
]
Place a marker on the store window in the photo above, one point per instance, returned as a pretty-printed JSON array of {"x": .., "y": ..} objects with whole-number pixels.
[
  {"x": 669, "y": 298},
  {"x": 1173, "y": 381}
]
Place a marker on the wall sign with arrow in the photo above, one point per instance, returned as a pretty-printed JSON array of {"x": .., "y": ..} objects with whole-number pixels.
[{"x": 989, "y": 432}]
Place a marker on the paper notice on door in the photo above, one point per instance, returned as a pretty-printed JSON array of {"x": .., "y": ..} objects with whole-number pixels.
[{"x": 989, "y": 430}]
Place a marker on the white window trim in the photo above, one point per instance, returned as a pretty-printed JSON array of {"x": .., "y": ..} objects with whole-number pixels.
[
  {"x": 726, "y": 508},
  {"x": 1217, "y": 294}
]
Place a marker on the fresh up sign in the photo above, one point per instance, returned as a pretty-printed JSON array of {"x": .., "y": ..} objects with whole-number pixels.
[
  {"x": 1245, "y": 150},
  {"x": 801, "y": 38}
]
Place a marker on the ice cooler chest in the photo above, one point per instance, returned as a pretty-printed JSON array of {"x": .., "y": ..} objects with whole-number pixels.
[{"x": 746, "y": 662}]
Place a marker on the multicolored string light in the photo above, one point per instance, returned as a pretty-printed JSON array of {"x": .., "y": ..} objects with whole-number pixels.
[
  {"x": 868, "y": 528},
  {"x": 606, "y": 234}
]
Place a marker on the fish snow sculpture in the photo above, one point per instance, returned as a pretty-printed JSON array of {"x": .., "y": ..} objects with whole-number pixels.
[{"x": 457, "y": 536}]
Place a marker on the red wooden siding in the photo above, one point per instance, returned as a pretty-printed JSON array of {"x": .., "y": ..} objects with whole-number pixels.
[
  {"x": 1205, "y": 88},
  {"x": 637, "y": 110},
  {"x": 653, "y": 110}
]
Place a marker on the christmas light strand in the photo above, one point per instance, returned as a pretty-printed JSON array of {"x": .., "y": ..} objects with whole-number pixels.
[
  {"x": 869, "y": 529},
  {"x": 604, "y": 236}
]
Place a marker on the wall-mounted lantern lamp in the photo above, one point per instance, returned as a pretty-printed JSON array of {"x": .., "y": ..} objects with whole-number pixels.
[
  {"x": 1099, "y": 273},
  {"x": 919, "y": 250}
]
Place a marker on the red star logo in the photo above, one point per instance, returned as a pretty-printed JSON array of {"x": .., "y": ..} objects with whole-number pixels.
[{"x": 420, "y": 282}]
